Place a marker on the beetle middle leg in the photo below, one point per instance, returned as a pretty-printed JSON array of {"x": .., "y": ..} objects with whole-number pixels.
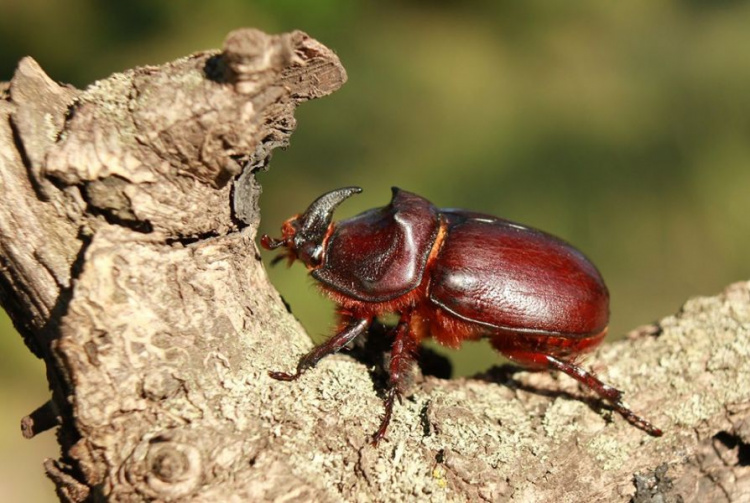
[
  {"x": 588, "y": 379},
  {"x": 352, "y": 330},
  {"x": 403, "y": 355}
]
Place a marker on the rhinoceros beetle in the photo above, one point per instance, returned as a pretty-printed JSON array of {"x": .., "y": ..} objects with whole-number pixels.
[{"x": 456, "y": 276}]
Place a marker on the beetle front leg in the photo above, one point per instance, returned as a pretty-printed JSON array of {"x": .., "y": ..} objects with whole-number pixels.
[
  {"x": 354, "y": 329},
  {"x": 403, "y": 355}
]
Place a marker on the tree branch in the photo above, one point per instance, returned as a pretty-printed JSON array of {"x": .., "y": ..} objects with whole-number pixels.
[{"x": 129, "y": 265}]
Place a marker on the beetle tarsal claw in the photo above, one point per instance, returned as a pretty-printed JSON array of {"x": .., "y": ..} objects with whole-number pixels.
[
  {"x": 283, "y": 376},
  {"x": 376, "y": 438},
  {"x": 636, "y": 420}
]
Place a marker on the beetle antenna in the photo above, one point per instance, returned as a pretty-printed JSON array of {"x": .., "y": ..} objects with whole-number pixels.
[{"x": 270, "y": 243}]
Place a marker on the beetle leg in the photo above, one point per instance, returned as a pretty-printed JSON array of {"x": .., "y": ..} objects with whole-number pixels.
[
  {"x": 588, "y": 379},
  {"x": 355, "y": 328},
  {"x": 403, "y": 355},
  {"x": 605, "y": 391}
]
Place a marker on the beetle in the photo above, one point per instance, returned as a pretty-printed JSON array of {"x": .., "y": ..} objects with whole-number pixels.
[{"x": 454, "y": 275}]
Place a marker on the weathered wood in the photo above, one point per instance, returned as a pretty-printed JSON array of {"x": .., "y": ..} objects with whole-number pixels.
[{"x": 127, "y": 230}]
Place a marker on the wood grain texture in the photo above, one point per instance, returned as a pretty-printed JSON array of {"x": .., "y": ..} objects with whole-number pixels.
[{"x": 127, "y": 230}]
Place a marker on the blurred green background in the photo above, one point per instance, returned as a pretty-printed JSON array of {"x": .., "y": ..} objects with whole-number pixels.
[{"x": 623, "y": 127}]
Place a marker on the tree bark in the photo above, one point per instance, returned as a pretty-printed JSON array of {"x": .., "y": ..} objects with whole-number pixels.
[{"x": 129, "y": 265}]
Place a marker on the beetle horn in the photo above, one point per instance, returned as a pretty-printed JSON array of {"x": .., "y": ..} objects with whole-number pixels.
[{"x": 314, "y": 222}]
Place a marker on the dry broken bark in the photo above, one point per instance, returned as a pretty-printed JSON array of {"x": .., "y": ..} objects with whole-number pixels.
[{"x": 127, "y": 230}]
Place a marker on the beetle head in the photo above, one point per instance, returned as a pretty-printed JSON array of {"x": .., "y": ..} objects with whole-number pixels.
[{"x": 303, "y": 235}]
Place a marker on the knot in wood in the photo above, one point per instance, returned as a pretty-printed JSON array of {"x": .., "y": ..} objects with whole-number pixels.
[
  {"x": 174, "y": 469},
  {"x": 170, "y": 465}
]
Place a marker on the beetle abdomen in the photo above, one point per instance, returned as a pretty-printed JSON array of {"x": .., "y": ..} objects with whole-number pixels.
[
  {"x": 381, "y": 254},
  {"x": 508, "y": 276}
]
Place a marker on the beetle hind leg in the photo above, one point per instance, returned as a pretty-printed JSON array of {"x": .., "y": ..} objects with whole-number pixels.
[
  {"x": 588, "y": 379},
  {"x": 613, "y": 395},
  {"x": 403, "y": 355}
]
